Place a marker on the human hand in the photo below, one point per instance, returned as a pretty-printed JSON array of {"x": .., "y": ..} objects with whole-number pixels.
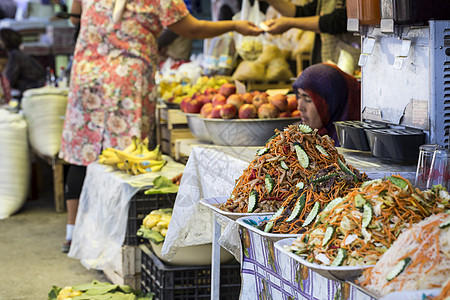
[
  {"x": 278, "y": 25},
  {"x": 246, "y": 28}
]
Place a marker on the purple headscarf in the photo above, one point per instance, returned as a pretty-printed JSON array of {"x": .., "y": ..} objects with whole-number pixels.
[{"x": 336, "y": 95}]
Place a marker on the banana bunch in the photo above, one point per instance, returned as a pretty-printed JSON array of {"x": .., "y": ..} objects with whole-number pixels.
[
  {"x": 155, "y": 224},
  {"x": 158, "y": 220},
  {"x": 135, "y": 159}
]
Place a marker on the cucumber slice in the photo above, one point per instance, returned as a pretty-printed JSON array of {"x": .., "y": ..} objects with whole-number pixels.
[
  {"x": 283, "y": 165},
  {"x": 262, "y": 151},
  {"x": 297, "y": 208},
  {"x": 359, "y": 200},
  {"x": 312, "y": 214},
  {"x": 304, "y": 128},
  {"x": 323, "y": 178},
  {"x": 269, "y": 183},
  {"x": 252, "y": 201},
  {"x": 445, "y": 224},
  {"x": 340, "y": 258},
  {"x": 300, "y": 185},
  {"x": 301, "y": 156},
  {"x": 347, "y": 170},
  {"x": 398, "y": 268},
  {"x": 367, "y": 215},
  {"x": 366, "y": 183},
  {"x": 333, "y": 203},
  {"x": 270, "y": 224},
  {"x": 328, "y": 235},
  {"x": 398, "y": 182},
  {"x": 322, "y": 150}
]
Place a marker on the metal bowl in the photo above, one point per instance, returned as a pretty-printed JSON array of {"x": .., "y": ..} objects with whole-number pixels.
[
  {"x": 197, "y": 127},
  {"x": 245, "y": 132}
]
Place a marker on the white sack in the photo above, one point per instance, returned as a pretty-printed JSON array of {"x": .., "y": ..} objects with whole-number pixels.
[
  {"x": 14, "y": 162},
  {"x": 44, "y": 109}
]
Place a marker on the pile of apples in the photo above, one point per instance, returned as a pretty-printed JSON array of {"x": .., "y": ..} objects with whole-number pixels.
[{"x": 225, "y": 103}]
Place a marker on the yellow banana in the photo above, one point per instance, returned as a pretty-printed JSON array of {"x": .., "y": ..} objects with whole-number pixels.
[
  {"x": 145, "y": 142},
  {"x": 123, "y": 156},
  {"x": 132, "y": 147},
  {"x": 163, "y": 231},
  {"x": 121, "y": 166},
  {"x": 109, "y": 152},
  {"x": 163, "y": 224},
  {"x": 108, "y": 160},
  {"x": 157, "y": 168},
  {"x": 152, "y": 221}
]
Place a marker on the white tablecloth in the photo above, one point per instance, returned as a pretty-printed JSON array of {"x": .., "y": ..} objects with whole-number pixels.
[{"x": 102, "y": 216}]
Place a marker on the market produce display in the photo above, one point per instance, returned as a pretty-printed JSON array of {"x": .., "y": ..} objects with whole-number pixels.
[
  {"x": 298, "y": 211},
  {"x": 226, "y": 103},
  {"x": 357, "y": 229},
  {"x": 97, "y": 290},
  {"x": 173, "y": 91},
  {"x": 282, "y": 167},
  {"x": 155, "y": 224},
  {"x": 418, "y": 260},
  {"x": 135, "y": 159}
]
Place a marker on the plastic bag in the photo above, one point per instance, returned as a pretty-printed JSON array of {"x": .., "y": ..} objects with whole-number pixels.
[
  {"x": 219, "y": 55},
  {"x": 249, "y": 47},
  {"x": 250, "y": 70}
]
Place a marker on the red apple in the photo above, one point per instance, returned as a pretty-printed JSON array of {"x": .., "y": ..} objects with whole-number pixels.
[
  {"x": 292, "y": 103},
  {"x": 279, "y": 101},
  {"x": 255, "y": 92},
  {"x": 184, "y": 102},
  {"x": 227, "y": 89},
  {"x": 206, "y": 110},
  {"x": 207, "y": 98},
  {"x": 296, "y": 114},
  {"x": 199, "y": 98},
  {"x": 267, "y": 111},
  {"x": 209, "y": 90},
  {"x": 284, "y": 114},
  {"x": 215, "y": 112},
  {"x": 259, "y": 99},
  {"x": 247, "y": 97},
  {"x": 228, "y": 111},
  {"x": 219, "y": 99},
  {"x": 194, "y": 106},
  {"x": 247, "y": 111},
  {"x": 236, "y": 100}
]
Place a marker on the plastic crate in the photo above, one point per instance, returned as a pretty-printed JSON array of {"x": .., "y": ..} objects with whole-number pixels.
[
  {"x": 186, "y": 282},
  {"x": 140, "y": 206}
]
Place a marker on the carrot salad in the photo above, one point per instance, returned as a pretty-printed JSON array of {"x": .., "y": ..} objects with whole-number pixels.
[
  {"x": 325, "y": 185},
  {"x": 281, "y": 168},
  {"x": 359, "y": 228}
]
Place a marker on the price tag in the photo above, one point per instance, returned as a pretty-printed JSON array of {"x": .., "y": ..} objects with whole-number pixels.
[{"x": 240, "y": 88}]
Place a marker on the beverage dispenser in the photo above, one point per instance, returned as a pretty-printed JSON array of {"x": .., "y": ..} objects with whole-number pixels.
[{"x": 406, "y": 85}]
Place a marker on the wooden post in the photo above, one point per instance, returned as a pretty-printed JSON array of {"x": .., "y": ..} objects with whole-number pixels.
[{"x": 58, "y": 185}]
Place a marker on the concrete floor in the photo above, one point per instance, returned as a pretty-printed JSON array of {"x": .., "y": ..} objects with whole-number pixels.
[{"x": 31, "y": 261}]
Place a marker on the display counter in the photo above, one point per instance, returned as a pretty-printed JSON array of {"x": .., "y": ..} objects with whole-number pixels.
[{"x": 211, "y": 171}]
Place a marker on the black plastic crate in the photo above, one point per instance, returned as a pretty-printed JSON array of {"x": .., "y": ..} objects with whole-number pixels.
[
  {"x": 140, "y": 206},
  {"x": 186, "y": 282}
]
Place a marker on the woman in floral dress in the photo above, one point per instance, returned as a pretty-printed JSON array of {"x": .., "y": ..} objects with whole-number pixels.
[{"x": 112, "y": 90}]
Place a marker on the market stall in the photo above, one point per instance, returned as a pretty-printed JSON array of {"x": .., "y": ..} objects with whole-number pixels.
[{"x": 102, "y": 217}]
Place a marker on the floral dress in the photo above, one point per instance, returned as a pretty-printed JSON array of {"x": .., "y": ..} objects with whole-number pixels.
[{"x": 112, "y": 90}]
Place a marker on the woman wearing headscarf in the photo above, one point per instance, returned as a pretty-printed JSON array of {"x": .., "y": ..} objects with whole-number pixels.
[{"x": 325, "y": 94}]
